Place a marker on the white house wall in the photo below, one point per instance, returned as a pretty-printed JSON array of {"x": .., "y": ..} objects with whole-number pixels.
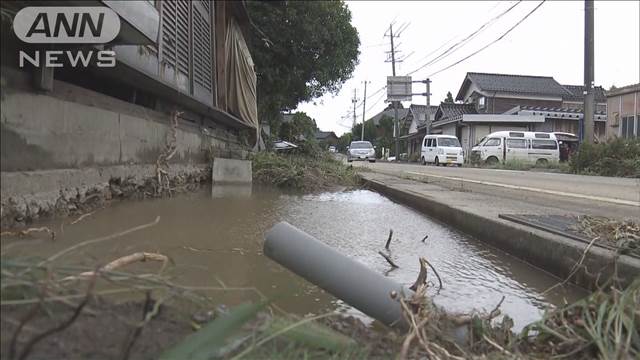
[
  {"x": 413, "y": 128},
  {"x": 449, "y": 129},
  {"x": 465, "y": 140}
]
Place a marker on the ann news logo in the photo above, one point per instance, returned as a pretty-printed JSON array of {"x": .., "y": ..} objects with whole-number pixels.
[{"x": 68, "y": 25}]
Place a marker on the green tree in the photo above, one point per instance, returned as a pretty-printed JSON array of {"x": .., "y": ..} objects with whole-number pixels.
[
  {"x": 380, "y": 135},
  {"x": 385, "y": 138},
  {"x": 449, "y": 98},
  {"x": 300, "y": 125},
  {"x": 369, "y": 132},
  {"x": 344, "y": 141},
  {"x": 303, "y": 50}
]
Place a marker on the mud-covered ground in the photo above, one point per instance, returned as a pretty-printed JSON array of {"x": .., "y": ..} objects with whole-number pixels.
[{"x": 105, "y": 330}]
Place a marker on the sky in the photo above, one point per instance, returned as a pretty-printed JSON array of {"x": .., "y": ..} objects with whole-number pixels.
[{"x": 550, "y": 42}]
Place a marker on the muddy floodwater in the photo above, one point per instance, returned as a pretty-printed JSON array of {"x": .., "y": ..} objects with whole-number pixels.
[{"x": 213, "y": 237}]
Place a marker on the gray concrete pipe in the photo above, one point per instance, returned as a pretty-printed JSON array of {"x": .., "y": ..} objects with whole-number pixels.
[{"x": 336, "y": 273}]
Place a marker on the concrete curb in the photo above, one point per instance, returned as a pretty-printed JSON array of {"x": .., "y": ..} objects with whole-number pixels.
[{"x": 552, "y": 253}]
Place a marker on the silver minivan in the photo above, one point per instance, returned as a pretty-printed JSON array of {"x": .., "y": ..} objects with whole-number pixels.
[{"x": 361, "y": 150}]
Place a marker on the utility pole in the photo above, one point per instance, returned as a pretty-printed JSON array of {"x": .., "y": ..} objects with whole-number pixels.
[
  {"x": 428, "y": 113},
  {"x": 587, "y": 123},
  {"x": 354, "y": 101},
  {"x": 364, "y": 108},
  {"x": 393, "y": 51},
  {"x": 396, "y": 128}
]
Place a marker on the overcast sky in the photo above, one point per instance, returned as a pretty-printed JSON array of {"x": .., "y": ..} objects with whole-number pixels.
[{"x": 548, "y": 43}]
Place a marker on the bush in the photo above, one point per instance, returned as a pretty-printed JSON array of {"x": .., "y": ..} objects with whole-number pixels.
[
  {"x": 309, "y": 148},
  {"x": 619, "y": 157},
  {"x": 301, "y": 172}
]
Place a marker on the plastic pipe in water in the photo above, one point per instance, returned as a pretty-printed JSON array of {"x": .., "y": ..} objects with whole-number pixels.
[{"x": 345, "y": 278}]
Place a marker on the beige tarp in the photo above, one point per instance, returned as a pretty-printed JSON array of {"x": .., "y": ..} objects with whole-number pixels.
[{"x": 241, "y": 76}]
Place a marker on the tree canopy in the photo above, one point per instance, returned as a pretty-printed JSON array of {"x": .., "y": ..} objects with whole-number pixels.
[
  {"x": 303, "y": 50},
  {"x": 301, "y": 124},
  {"x": 449, "y": 98},
  {"x": 380, "y": 135}
]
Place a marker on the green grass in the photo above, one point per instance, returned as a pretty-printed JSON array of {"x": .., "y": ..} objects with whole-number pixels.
[{"x": 301, "y": 171}]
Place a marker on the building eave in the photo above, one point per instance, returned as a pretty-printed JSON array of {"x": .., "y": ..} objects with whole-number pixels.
[{"x": 623, "y": 90}]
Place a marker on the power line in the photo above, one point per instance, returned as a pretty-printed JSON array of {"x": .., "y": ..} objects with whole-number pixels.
[
  {"x": 369, "y": 108},
  {"x": 464, "y": 41},
  {"x": 438, "y": 48},
  {"x": 350, "y": 113},
  {"x": 375, "y": 103},
  {"x": 402, "y": 28},
  {"x": 491, "y": 43}
]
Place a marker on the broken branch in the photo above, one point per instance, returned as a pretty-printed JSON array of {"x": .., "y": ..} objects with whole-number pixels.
[
  {"x": 422, "y": 276},
  {"x": 81, "y": 218},
  {"x": 122, "y": 261},
  {"x": 135, "y": 333},
  {"x": 36, "y": 339},
  {"x": 386, "y": 257},
  {"x": 29, "y": 231},
  {"x": 496, "y": 310},
  {"x": 28, "y": 317},
  {"x": 97, "y": 240},
  {"x": 425, "y": 238},
  {"x": 435, "y": 272},
  {"x": 389, "y": 239},
  {"x": 575, "y": 267}
]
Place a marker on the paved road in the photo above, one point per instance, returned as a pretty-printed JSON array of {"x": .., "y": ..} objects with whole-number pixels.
[{"x": 618, "y": 191}]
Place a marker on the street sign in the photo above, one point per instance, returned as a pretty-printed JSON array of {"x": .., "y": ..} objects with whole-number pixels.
[{"x": 398, "y": 88}]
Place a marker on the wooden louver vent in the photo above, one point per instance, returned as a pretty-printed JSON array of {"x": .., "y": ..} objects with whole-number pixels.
[
  {"x": 186, "y": 49},
  {"x": 202, "y": 44}
]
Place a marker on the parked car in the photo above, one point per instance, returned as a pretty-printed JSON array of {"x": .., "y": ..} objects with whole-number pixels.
[
  {"x": 526, "y": 146},
  {"x": 332, "y": 149},
  {"x": 361, "y": 150},
  {"x": 441, "y": 150},
  {"x": 281, "y": 145}
]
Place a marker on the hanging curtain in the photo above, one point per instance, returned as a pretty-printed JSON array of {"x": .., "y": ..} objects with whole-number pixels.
[{"x": 241, "y": 77}]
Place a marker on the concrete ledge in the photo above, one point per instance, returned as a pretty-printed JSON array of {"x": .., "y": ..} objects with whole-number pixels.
[
  {"x": 231, "y": 171},
  {"x": 551, "y": 253},
  {"x": 31, "y": 195}
]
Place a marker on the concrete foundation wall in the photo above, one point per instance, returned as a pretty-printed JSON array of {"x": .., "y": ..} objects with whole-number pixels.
[
  {"x": 58, "y": 145},
  {"x": 45, "y": 132}
]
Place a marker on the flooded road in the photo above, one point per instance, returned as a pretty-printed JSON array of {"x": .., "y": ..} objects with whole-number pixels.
[{"x": 213, "y": 238}]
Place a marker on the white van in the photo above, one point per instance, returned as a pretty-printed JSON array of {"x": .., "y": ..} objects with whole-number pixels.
[
  {"x": 526, "y": 146},
  {"x": 441, "y": 150}
]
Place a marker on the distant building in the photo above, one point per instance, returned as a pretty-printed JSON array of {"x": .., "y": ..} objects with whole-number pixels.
[
  {"x": 494, "y": 102},
  {"x": 576, "y": 99},
  {"x": 388, "y": 113},
  {"x": 415, "y": 126},
  {"x": 497, "y": 93},
  {"x": 623, "y": 112},
  {"x": 326, "y": 138}
]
